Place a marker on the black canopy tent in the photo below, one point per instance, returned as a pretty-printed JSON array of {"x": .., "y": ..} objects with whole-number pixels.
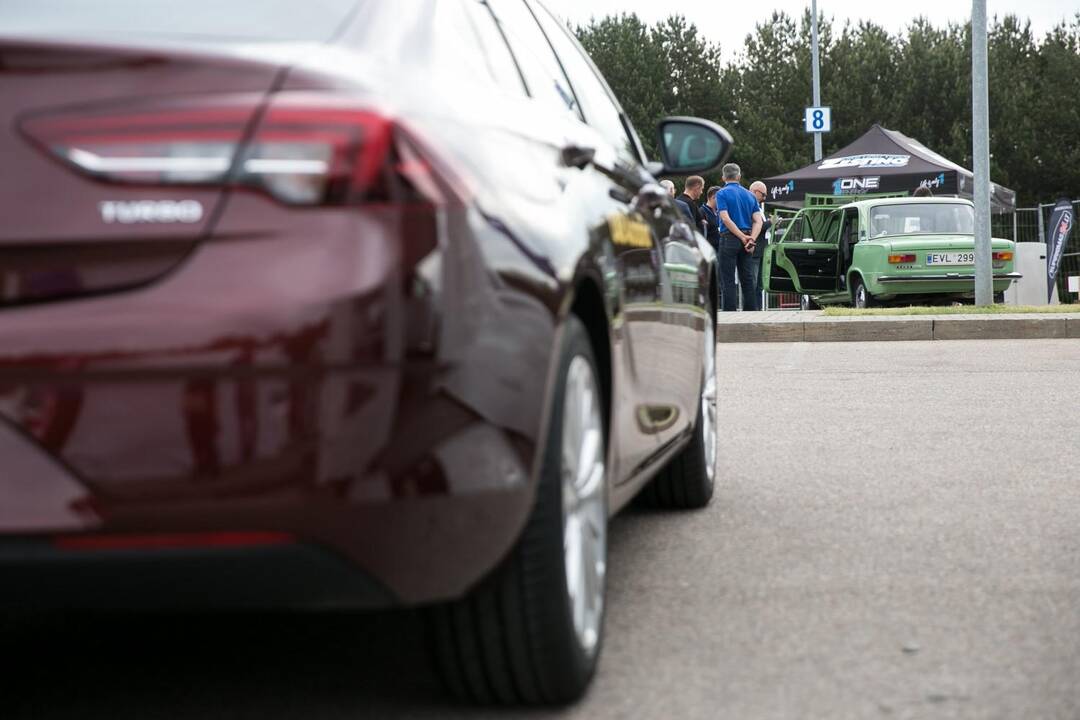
[{"x": 881, "y": 161}]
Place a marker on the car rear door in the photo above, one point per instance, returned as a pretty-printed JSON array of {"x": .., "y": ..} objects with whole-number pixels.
[
  {"x": 658, "y": 299},
  {"x": 806, "y": 260}
]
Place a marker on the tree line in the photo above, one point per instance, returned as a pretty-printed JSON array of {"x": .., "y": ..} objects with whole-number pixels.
[{"x": 917, "y": 82}]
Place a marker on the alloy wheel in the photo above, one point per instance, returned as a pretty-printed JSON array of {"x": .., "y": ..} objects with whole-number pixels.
[
  {"x": 584, "y": 506},
  {"x": 708, "y": 401}
]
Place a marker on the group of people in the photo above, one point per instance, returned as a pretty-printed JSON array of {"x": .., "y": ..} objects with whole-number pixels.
[{"x": 733, "y": 221}]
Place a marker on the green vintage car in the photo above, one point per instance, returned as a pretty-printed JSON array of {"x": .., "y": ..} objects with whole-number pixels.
[{"x": 884, "y": 251}]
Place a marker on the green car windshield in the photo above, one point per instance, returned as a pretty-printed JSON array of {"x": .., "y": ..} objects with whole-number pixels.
[{"x": 922, "y": 219}]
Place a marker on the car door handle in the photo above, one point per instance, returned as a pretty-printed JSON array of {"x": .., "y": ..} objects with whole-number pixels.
[
  {"x": 576, "y": 156},
  {"x": 580, "y": 157}
]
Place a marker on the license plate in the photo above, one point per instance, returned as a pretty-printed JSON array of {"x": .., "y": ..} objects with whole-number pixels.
[{"x": 953, "y": 258}]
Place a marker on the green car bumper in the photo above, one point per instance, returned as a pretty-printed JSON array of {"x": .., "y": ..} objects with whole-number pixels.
[{"x": 944, "y": 283}]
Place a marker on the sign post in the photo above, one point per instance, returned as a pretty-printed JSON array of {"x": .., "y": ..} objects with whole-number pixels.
[
  {"x": 816, "y": 79},
  {"x": 980, "y": 141}
]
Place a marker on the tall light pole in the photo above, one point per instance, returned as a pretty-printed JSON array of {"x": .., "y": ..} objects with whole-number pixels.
[
  {"x": 817, "y": 78},
  {"x": 980, "y": 147}
]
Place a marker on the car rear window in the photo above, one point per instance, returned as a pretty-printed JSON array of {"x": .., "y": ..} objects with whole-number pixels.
[
  {"x": 243, "y": 20},
  {"x": 921, "y": 219}
]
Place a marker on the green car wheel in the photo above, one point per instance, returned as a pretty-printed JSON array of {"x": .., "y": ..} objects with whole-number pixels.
[{"x": 861, "y": 297}]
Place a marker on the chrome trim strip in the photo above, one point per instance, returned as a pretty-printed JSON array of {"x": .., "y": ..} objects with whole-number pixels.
[
  {"x": 95, "y": 163},
  {"x": 944, "y": 278}
]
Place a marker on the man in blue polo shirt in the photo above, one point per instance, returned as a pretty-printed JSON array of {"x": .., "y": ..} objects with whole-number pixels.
[{"x": 741, "y": 220}]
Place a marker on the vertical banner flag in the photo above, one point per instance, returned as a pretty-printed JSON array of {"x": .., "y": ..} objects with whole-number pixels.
[{"x": 1062, "y": 220}]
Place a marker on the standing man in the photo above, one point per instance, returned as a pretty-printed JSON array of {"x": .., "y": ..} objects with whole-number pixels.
[
  {"x": 669, "y": 186},
  {"x": 692, "y": 190},
  {"x": 741, "y": 220},
  {"x": 712, "y": 219},
  {"x": 760, "y": 192},
  {"x": 712, "y": 233}
]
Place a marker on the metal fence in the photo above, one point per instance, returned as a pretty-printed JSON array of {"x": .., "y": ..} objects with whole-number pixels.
[{"x": 1029, "y": 225}]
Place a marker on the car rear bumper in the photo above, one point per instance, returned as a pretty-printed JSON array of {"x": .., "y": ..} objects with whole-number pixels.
[
  {"x": 39, "y": 574},
  {"x": 286, "y": 383}
]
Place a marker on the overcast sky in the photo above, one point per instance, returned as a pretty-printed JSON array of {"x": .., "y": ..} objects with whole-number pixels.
[{"x": 731, "y": 22}]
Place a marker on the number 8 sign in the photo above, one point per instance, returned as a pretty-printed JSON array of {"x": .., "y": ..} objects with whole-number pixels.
[{"x": 818, "y": 119}]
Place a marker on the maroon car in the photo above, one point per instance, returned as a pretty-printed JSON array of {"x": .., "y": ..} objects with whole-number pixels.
[{"x": 341, "y": 303}]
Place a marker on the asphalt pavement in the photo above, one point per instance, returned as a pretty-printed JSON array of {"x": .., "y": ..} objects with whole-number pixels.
[{"x": 896, "y": 534}]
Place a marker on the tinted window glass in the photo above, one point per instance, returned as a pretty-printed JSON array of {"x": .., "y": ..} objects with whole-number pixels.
[
  {"x": 468, "y": 43},
  {"x": 543, "y": 74},
  {"x": 247, "y": 20},
  {"x": 596, "y": 104},
  {"x": 498, "y": 61}
]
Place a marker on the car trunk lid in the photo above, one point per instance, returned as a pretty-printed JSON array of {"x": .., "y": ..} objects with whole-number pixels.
[
  {"x": 76, "y": 121},
  {"x": 939, "y": 243}
]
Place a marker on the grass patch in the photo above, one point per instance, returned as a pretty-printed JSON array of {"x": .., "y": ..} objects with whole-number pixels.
[{"x": 833, "y": 311}]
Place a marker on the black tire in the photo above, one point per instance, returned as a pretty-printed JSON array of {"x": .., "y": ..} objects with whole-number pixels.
[
  {"x": 511, "y": 640},
  {"x": 860, "y": 296},
  {"x": 685, "y": 483},
  {"x": 999, "y": 298},
  {"x": 807, "y": 303}
]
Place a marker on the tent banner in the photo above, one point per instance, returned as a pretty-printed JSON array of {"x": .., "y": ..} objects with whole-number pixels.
[
  {"x": 858, "y": 184},
  {"x": 1061, "y": 224}
]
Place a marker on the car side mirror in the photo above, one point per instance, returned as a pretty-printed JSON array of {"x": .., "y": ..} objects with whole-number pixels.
[{"x": 691, "y": 145}]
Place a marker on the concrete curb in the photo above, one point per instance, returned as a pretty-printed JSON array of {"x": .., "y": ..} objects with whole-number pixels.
[{"x": 797, "y": 326}]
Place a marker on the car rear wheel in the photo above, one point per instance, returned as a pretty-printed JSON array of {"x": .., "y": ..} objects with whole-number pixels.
[
  {"x": 862, "y": 298},
  {"x": 531, "y": 632},
  {"x": 687, "y": 482}
]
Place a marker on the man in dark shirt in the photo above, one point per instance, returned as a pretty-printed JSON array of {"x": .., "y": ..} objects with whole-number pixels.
[
  {"x": 712, "y": 232},
  {"x": 692, "y": 190},
  {"x": 741, "y": 219},
  {"x": 711, "y": 217}
]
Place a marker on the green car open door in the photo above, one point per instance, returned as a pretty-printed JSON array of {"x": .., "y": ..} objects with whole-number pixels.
[{"x": 806, "y": 257}]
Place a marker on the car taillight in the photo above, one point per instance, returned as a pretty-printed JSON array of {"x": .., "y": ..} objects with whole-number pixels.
[
  {"x": 298, "y": 150},
  {"x": 1003, "y": 256},
  {"x": 318, "y": 156},
  {"x": 908, "y": 258},
  {"x": 190, "y": 144}
]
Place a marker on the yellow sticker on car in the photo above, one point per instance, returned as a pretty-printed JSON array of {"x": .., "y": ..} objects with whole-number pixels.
[{"x": 627, "y": 232}]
